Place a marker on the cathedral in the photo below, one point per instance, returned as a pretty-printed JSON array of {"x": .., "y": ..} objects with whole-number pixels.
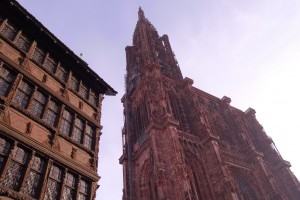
[{"x": 181, "y": 143}]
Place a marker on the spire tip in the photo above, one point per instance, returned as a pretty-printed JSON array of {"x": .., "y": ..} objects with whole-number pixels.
[{"x": 141, "y": 13}]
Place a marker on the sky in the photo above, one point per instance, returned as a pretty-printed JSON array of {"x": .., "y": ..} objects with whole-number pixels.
[{"x": 246, "y": 50}]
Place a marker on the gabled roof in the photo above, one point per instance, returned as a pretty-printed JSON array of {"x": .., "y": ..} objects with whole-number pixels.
[{"x": 51, "y": 40}]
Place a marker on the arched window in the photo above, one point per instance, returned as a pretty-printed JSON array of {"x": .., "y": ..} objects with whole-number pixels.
[
  {"x": 147, "y": 186},
  {"x": 196, "y": 173},
  {"x": 246, "y": 191}
]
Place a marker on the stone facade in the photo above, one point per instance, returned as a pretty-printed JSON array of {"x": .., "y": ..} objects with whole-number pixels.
[
  {"x": 183, "y": 143},
  {"x": 50, "y": 112}
]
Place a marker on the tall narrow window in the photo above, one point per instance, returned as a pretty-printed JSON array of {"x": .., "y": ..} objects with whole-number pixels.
[
  {"x": 70, "y": 187},
  {"x": 53, "y": 184},
  {"x": 16, "y": 169},
  {"x": 78, "y": 130},
  {"x": 38, "y": 56},
  {"x": 83, "y": 91},
  {"x": 246, "y": 190},
  {"x": 6, "y": 79},
  {"x": 23, "y": 43},
  {"x": 88, "y": 137},
  {"x": 83, "y": 190},
  {"x": 34, "y": 179},
  {"x": 66, "y": 123},
  {"x": 9, "y": 32},
  {"x": 93, "y": 98},
  {"x": 23, "y": 94},
  {"x": 61, "y": 74},
  {"x": 4, "y": 150},
  {"x": 50, "y": 64},
  {"x": 38, "y": 104},
  {"x": 51, "y": 114},
  {"x": 74, "y": 84}
]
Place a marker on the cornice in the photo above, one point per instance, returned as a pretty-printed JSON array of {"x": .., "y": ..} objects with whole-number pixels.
[{"x": 19, "y": 12}]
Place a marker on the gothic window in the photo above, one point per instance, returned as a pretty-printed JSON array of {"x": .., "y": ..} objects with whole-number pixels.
[
  {"x": 83, "y": 190},
  {"x": 23, "y": 43},
  {"x": 16, "y": 169},
  {"x": 38, "y": 104},
  {"x": 34, "y": 179},
  {"x": 66, "y": 123},
  {"x": 54, "y": 183},
  {"x": 50, "y": 64},
  {"x": 23, "y": 94},
  {"x": 246, "y": 190},
  {"x": 9, "y": 32},
  {"x": 197, "y": 186},
  {"x": 6, "y": 79},
  {"x": 38, "y": 56},
  {"x": 93, "y": 98},
  {"x": 70, "y": 187},
  {"x": 61, "y": 74},
  {"x": 88, "y": 137},
  {"x": 51, "y": 114},
  {"x": 83, "y": 91},
  {"x": 4, "y": 150},
  {"x": 78, "y": 130},
  {"x": 74, "y": 84}
]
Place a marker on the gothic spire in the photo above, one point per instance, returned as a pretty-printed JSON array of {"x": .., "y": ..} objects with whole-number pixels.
[
  {"x": 149, "y": 47},
  {"x": 141, "y": 13}
]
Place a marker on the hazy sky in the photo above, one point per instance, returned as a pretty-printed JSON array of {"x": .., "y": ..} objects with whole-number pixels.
[{"x": 246, "y": 50}]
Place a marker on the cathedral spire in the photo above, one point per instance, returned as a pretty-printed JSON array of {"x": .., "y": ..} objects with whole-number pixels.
[
  {"x": 141, "y": 13},
  {"x": 149, "y": 47}
]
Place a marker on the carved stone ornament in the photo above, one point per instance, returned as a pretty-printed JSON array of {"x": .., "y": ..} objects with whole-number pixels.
[{"x": 74, "y": 153}]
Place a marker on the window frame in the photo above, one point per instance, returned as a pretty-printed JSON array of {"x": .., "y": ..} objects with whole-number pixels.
[{"x": 8, "y": 81}]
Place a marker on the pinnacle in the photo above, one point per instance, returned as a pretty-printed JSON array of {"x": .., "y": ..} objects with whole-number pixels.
[{"x": 141, "y": 13}]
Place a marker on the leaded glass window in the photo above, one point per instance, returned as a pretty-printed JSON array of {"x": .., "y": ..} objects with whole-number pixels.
[
  {"x": 50, "y": 64},
  {"x": 4, "y": 150},
  {"x": 66, "y": 123},
  {"x": 38, "y": 56},
  {"x": 51, "y": 114},
  {"x": 16, "y": 169},
  {"x": 9, "y": 32},
  {"x": 61, "y": 73},
  {"x": 74, "y": 84},
  {"x": 78, "y": 130},
  {"x": 52, "y": 190},
  {"x": 83, "y": 91},
  {"x": 89, "y": 135},
  {"x": 93, "y": 98},
  {"x": 38, "y": 104},
  {"x": 70, "y": 187},
  {"x": 34, "y": 179},
  {"x": 6, "y": 79},
  {"x": 83, "y": 190},
  {"x": 23, "y": 94},
  {"x": 23, "y": 43},
  {"x": 54, "y": 183}
]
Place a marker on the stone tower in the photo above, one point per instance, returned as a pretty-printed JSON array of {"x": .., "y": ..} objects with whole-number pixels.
[
  {"x": 183, "y": 143},
  {"x": 50, "y": 111}
]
